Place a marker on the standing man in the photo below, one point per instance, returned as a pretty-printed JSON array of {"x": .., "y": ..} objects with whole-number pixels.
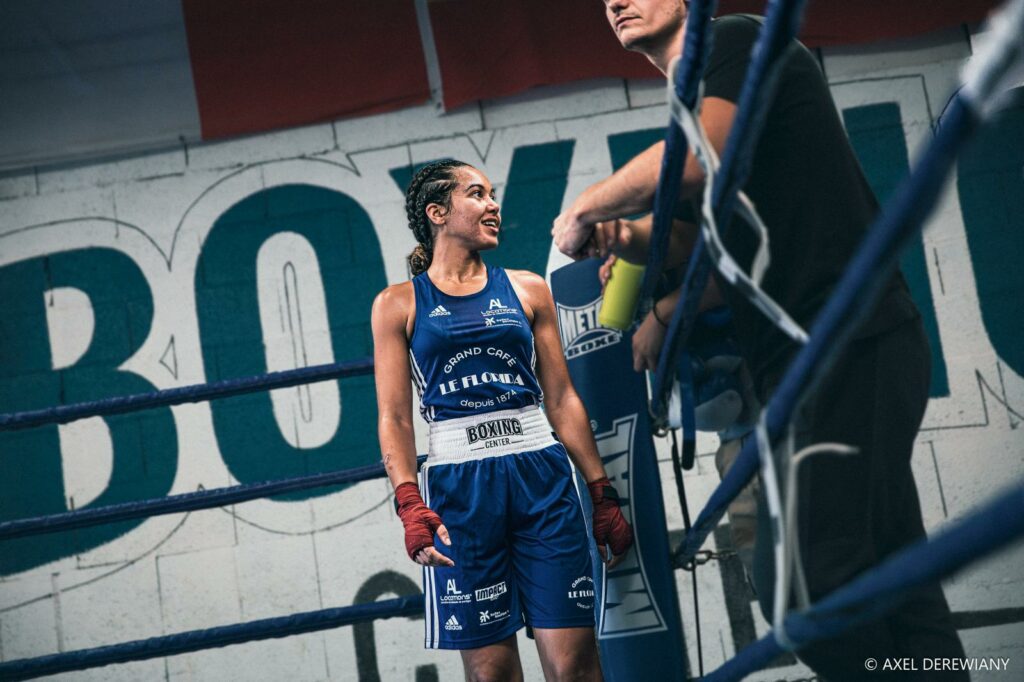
[{"x": 810, "y": 191}]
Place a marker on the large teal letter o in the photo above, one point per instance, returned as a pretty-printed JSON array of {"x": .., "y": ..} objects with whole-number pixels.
[{"x": 348, "y": 255}]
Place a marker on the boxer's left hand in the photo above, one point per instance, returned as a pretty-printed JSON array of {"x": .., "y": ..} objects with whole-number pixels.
[{"x": 610, "y": 526}]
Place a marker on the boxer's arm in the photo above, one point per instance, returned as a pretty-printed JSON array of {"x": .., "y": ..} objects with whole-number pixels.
[
  {"x": 562, "y": 404},
  {"x": 389, "y": 319},
  {"x": 568, "y": 416}
]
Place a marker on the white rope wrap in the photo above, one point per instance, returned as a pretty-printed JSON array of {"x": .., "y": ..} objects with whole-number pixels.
[
  {"x": 780, "y": 533},
  {"x": 750, "y": 285},
  {"x": 794, "y": 558},
  {"x": 998, "y": 64},
  {"x": 789, "y": 568}
]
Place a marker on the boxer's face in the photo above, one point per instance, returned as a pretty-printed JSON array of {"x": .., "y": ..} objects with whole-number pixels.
[
  {"x": 473, "y": 217},
  {"x": 644, "y": 25}
]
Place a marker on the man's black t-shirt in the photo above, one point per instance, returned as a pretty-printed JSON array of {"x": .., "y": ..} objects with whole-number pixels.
[{"x": 811, "y": 194}]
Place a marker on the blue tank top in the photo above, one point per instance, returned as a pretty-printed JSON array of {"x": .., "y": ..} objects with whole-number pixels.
[{"x": 472, "y": 354}]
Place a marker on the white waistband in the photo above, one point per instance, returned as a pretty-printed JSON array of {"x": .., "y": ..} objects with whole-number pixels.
[{"x": 489, "y": 435}]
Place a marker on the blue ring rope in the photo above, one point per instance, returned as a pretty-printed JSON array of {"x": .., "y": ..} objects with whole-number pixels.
[
  {"x": 780, "y": 28},
  {"x": 696, "y": 47},
  {"x": 196, "y": 640},
  {"x": 62, "y": 414},
  {"x": 856, "y": 293},
  {"x": 173, "y": 504},
  {"x": 882, "y": 588}
]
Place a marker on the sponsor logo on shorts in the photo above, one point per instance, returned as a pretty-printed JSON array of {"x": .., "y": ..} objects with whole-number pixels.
[
  {"x": 494, "y": 429},
  {"x": 490, "y": 617},
  {"x": 582, "y": 591},
  {"x": 491, "y": 593},
  {"x": 580, "y": 331},
  {"x": 452, "y": 623},
  {"x": 453, "y": 595}
]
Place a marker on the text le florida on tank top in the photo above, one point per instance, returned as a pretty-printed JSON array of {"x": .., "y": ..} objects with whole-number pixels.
[{"x": 472, "y": 354}]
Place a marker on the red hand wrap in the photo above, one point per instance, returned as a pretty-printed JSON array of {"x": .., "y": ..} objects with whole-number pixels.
[
  {"x": 610, "y": 527},
  {"x": 419, "y": 521}
]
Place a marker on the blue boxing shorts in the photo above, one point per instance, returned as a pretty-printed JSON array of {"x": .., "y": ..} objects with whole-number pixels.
[{"x": 504, "y": 489}]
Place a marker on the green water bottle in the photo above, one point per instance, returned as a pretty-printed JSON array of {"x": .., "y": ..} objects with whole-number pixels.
[{"x": 621, "y": 295}]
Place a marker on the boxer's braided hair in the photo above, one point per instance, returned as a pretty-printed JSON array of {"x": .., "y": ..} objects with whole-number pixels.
[{"x": 433, "y": 184}]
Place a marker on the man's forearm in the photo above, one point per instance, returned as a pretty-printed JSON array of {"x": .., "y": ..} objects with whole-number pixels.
[
  {"x": 628, "y": 191},
  {"x": 682, "y": 237},
  {"x": 664, "y": 307}
]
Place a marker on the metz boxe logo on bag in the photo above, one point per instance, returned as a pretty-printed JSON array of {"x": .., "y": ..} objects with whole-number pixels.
[{"x": 580, "y": 331}]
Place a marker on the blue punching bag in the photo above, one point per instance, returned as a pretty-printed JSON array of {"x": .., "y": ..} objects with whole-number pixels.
[{"x": 638, "y": 624}]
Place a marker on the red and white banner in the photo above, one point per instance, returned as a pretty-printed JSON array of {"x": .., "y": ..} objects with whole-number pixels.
[
  {"x": 103, "y": 76},
  {"x": 265, "y": 64}
]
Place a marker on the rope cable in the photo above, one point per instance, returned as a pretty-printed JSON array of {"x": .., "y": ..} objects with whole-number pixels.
[
  {"x": 62, "y": 414},
  {"x": 781, "y": 22},
  {"x": 198, "y": 640},
  {"x": 174, "y": 504},
  {"x": 685, "y": 507}
]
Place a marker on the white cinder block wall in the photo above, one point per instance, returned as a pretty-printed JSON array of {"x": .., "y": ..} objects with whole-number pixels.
[{"x": 155, "y": 213}]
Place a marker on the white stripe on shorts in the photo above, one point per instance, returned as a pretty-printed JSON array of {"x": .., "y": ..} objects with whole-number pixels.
[{"x": 429, "y": 579}]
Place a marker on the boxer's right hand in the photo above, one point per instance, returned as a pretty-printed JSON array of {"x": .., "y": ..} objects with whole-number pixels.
[{"x": 420, "y": 525}]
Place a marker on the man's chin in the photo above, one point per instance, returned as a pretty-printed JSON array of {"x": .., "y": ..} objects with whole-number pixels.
[{"x": 631, "y": 42}]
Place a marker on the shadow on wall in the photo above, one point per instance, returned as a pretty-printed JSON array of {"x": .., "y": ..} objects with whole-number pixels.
[{"x": 376, "y": 586}]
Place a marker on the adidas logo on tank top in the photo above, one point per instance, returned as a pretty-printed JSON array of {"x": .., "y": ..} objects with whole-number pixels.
[{"x": 439, "y": 311}]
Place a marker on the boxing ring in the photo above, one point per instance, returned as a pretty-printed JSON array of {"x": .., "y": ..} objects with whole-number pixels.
[{"x": 991, "y": 527}]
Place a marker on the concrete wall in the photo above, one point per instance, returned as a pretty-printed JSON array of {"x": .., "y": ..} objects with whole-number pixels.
[{"x": 264, "y": 253}]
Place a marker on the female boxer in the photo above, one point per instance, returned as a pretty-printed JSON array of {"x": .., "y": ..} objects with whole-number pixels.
[{"x": 495, "y": 518}]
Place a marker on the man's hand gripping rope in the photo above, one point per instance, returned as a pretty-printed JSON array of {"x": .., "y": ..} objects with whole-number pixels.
[{"x": 420, "y": 525}]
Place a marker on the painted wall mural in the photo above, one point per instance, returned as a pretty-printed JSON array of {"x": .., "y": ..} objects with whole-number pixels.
[{"x": 265, "y": 254}]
